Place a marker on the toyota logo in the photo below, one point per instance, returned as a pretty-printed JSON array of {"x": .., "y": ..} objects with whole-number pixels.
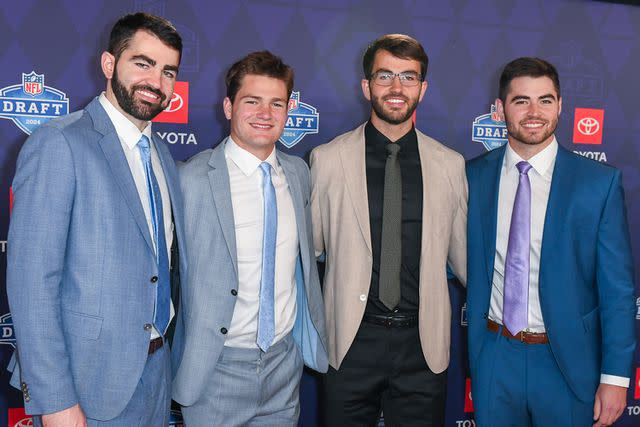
[
  {"x": 175, "y": 104},
  {"x": 25, "y": 422},
  {"x": 588, "y": 126}
]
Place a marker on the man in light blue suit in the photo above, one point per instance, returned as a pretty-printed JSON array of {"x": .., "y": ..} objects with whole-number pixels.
[
  {"x": 97, "y": 209},
  {"x": 550, "y": 275},
  {"x": 252, "y": 311}
]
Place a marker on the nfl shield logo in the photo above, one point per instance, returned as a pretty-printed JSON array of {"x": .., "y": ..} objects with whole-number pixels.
[{"x": 32, "y": 83}]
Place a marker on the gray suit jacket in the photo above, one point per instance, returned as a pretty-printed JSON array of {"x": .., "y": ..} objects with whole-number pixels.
[
  {"x": 208, "y": 303},
  {"x": 79, "y": 268},
  {"x": 341, "y": 229}
]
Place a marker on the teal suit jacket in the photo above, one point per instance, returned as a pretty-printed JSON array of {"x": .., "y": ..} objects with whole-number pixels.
[{"x": 586, "y": 269}]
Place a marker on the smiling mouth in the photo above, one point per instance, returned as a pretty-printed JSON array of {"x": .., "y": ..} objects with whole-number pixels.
[
  {"x": 533, "y": 125},
  {"x": 261, "y": 126}
]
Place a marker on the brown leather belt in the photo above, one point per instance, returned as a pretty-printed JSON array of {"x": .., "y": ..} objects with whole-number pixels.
[
  {"x": 155, "y": 344},
  {"x": 522, "y": 336}
]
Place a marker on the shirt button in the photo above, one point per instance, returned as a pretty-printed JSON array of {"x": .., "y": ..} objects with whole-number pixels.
[
  {"x": 223, "y": 331},
  {"x": 147, "y": 326},
  {"x": 363, "y": 297},
  {"x": 234, "y": 292},
  {"x": 154, "y": 279}
]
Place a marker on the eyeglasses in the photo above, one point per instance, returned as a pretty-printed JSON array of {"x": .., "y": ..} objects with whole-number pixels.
[{"x": 385, "y": 78}]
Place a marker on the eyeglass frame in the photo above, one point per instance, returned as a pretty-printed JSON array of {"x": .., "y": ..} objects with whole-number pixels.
[{"x": 401, "y": 76}]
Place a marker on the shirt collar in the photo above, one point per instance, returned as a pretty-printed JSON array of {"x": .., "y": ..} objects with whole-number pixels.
[
  {"x": 247, "y": 162},
  {"x": 127, "y": 132},
  {"x": 541, "y": 162}
]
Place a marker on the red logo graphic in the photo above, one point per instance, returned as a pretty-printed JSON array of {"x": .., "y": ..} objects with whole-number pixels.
[
  {"x": 177, "y": 110},
  {"x": 468, "y": 401},
  {"x": 17, "y": 418},
  {"x": 587, "y": 126},
  {"x": 636, "y": 394}
]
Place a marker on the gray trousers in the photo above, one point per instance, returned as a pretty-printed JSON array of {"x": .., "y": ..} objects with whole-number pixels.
[{"x": 251, "y": 388}]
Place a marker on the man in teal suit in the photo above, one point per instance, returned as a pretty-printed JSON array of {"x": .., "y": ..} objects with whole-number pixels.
[
  {"x": 252, "y": 308},
  {"x": 550, "y": 275},
  {"x": 97, "y": 208}
]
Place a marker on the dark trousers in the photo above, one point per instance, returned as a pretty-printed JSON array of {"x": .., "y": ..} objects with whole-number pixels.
[{"x": 384, "y": 370}]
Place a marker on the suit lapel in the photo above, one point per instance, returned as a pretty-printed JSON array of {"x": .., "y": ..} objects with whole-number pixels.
[
  {"x": 352, "y": 158},
  {"x": 489, "y": 191},
  {"x": 221, "y": 193},
  {"x": 112, "y": 149},
  {"x": 295, "y": 189},
  {"x": 555, "y": 216}
]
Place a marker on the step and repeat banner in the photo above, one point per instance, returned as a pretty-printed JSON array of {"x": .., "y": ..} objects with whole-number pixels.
[{"x": 50, "y": 51}]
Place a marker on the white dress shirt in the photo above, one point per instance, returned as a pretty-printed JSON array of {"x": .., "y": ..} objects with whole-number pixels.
[
  {"x": 129, "y": 135},
  {"x": 245, "y": 177},
  {"x": 540, "y": 174}
]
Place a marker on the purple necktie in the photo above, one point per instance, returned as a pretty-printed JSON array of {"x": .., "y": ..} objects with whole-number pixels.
[{"x": 516, "y": 269}]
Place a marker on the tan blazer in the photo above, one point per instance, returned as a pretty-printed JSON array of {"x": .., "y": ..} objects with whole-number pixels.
[{"x": 340, "y": 212}]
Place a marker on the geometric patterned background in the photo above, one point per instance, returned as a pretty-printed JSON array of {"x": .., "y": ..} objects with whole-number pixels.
[{"x": 593, "y": 44}]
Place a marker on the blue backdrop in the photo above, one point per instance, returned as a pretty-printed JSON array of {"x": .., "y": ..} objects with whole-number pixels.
[{"x": 57, "y": 45}]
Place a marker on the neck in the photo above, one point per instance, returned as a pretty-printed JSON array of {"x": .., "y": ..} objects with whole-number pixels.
[
  {"x": 391, "y": 131},
  {"x": 140, "y": 124}
]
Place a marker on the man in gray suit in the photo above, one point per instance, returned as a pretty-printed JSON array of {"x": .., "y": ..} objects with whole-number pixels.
[
  {"x": 252, "y": 307},
  {"x": 96, "y": 205}
]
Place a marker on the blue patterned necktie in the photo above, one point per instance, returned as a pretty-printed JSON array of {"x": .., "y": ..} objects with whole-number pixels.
[
  {"x": 516, "y": 269},
  {"x": 266, "y": 316},
  {"x": 163, "y": 290}
]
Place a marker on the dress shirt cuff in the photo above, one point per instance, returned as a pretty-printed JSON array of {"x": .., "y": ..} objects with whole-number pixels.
[{"x": 614, "y": 380}]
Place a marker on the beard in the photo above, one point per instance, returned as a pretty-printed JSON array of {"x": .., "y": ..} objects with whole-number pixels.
[
  {"x": 141, "y": 110},
  {"x": 520, "y": 133},
  {"x": 393, "y": 117}
]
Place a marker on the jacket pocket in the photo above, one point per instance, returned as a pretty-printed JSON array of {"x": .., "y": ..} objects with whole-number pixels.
[{"x": 82, "y": 325}]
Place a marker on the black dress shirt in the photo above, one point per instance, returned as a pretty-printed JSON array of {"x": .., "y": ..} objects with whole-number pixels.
[{"x": 375, "y": 159}]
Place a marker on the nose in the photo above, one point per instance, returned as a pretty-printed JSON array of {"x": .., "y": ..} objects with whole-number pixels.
[
  {"x": 395, "y": 83},
  {"x": 264, "y": 111},
  {"x": 154, "y": 78}
]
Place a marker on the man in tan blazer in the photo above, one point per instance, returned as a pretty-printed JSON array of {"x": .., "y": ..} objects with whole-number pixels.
[{"x": 389, "y": 213}]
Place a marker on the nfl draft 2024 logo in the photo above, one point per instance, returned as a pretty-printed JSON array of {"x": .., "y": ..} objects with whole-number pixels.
[
  {"x": 303, "y": 119},
  {"x": 31, "y": 103},
  {"x": 489, "y": 130},
  {"x": 6, "y": 330}
]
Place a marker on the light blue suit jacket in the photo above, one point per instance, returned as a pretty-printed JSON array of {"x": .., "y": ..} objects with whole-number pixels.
[
  {"x": 208, "y": 303},
  {"x": 586, "y": 270},
  {"x": 80, "y": 261}
]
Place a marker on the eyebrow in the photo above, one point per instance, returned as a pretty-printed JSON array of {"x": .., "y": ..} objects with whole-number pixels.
[
  {"x": 384, "y": 70},
  {"x": 526, "y": 98},
  {"x": 259, "y": 98},
  {"x": 153, "y": 63}
]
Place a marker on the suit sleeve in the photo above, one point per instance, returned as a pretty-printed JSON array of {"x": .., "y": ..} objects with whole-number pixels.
[
  {"x": 43, "y": 189},
  {"x": 457, "y": 255},
  {"x": 614, "y": 277},
  {"x": 316, "y": 208}
]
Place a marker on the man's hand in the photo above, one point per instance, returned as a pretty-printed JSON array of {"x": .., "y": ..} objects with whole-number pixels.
[
  {"x": 609, "y": 404},
  {"x": 70, "y": 417}
]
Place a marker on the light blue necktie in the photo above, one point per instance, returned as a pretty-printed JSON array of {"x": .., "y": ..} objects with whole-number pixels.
[
  {"x": 163, "y": 290},
  {"x": 516, "y": 269},
  {"x": 266, "y": 316}
]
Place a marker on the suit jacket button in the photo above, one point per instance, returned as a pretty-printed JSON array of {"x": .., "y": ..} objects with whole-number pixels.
[
  {"x": 147, "y": 326},
  {"x": 223, "y": 331},
  {"x": 154, "y": 279},
  {"x": 363, "y": 297},
  {"x": 234, "y": 292}
]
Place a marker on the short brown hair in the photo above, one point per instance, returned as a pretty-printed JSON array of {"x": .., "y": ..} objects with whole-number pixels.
[
  {"x": 527, "y": 67},
  {"x": 400, "y": 46},
  {"x": 263, "y": 63}
]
